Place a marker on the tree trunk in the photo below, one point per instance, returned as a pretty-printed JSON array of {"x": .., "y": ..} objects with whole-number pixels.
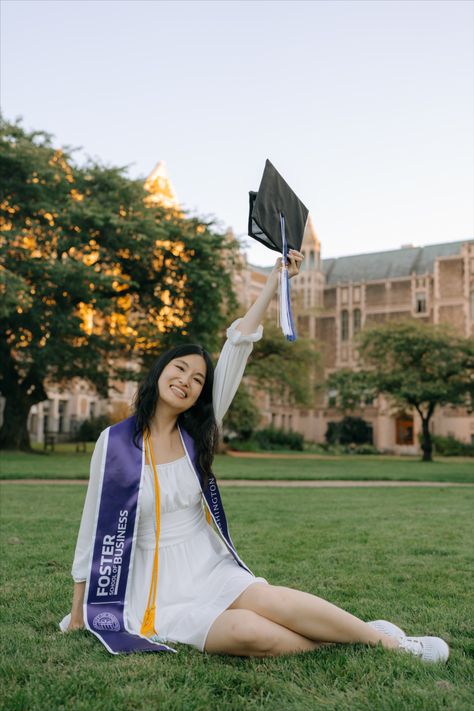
[
  {"x": 426, "y": 443},
  {"x": 14, "y": 431}
]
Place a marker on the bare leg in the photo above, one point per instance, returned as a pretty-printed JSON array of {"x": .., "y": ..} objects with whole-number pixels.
[
  {"x": 309, "y": 616},
  {"x": 245, "y": 633}
]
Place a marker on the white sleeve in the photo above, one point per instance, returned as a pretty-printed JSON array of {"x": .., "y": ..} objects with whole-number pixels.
[
  {"x": 80, "y": 566},
  {"x": 230, "y": 367}
]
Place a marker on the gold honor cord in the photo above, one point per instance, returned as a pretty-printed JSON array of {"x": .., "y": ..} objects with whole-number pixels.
[{"x": 148, "y": 624}]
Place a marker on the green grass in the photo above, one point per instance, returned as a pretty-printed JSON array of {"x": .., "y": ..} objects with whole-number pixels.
[
  {"x": 68, "y": 464},
  {"x": 403, "y": 555},
  {"x": 348, "y": 468}
]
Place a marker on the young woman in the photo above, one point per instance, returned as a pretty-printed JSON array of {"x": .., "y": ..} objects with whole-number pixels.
[{"x": 204, "y": 597}]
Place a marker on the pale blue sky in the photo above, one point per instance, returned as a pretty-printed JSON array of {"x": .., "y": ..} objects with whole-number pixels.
[{"x": 365, "y": 107}]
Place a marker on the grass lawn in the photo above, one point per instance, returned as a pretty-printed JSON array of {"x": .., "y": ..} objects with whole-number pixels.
[
  {"x": 66, "y": 463},
  {"x": 403, "y": 555}
]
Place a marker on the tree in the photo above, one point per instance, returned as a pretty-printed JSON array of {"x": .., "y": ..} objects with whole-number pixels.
[
  {"x": 91, "y": 276},
  {"x": 415, "y": 365},
  {"x": 288, "y": 371},
  {"x": 243, "y": 415},
  {"x": 350, "y": 430}
]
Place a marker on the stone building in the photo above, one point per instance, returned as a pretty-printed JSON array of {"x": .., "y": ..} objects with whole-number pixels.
[
  {"x": 332, "y": 300},
  {"x": 338, "y": 297}
]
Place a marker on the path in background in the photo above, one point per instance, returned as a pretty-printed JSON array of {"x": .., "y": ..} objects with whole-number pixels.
[
  {"x": 338, "y": 457},
  {"x": 292, "y": 484}
]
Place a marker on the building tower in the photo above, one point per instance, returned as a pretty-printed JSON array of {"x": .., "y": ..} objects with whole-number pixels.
[
  {"x": 159, "y": 188},
  {"x": 308, "y": 285}
]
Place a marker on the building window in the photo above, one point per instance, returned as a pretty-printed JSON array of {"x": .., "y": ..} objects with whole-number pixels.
[
  {"x": 92, "y": 409},
  {"x": 332, "y": 398},
  {"x": 420, "y": 303},
  {"x": 311, "y": 259},
  {"x": 283, "y": 422},
  {"x": 404, "y": 430},
  {"x": 290, "y": 422},
  {"x": 344, "y": 325},
  {"x": 62, "y": 416},
  {"x": 345, "y": 296},
  {"x": 357, "y": 320},
  {"x": 46, "y": 418},
  {"x": 356, "y": 293},
  {"x": 370, "y": 432}
]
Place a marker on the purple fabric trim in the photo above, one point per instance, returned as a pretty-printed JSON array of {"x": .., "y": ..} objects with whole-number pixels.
[
  {"x": 213, "y": 498},
  {"x": 108, "y": 576}
]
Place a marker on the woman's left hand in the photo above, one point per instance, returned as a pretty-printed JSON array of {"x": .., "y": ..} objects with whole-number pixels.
[{"x": 295, "y": 260}]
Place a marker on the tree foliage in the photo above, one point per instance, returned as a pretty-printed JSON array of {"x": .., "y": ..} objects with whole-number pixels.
[
  {"x": 288, "y": 371},
  {"x": 243, "y": 415},
  {"x": 416, "y": 365},
  {"x": 92, "y": 277},
  {"x": 350, "y": 430}
]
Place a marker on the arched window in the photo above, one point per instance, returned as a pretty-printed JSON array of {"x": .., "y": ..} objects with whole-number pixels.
[
  {"x": 356, "y": 320},
  {"x": 344, "y": 325},
  {"x": 420, "y": 307},
  {"x": 404, "y": 430},
  {"x": 311, "y": 259}
]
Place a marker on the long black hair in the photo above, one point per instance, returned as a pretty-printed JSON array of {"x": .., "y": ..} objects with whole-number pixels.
[{"x": 199, "y": 420}]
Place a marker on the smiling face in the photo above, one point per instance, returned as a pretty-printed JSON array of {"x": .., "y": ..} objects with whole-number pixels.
[{"x": 181, "y": 381}]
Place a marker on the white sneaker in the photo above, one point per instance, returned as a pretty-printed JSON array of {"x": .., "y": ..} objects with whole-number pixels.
[
  {"x": 429, "y": 649},
  {"x": 387, "y": 628}
]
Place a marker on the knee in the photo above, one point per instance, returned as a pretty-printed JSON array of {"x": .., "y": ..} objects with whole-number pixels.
[{"x": 251, "y": 635}]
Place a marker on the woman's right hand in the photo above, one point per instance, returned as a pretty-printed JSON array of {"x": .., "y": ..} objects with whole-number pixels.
[{"x": 75, "y": 625}]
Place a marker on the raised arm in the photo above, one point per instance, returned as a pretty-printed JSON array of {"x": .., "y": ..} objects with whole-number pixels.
[
  {"x": 230, "y": 367},
  {"x": 241, "y": 336},
  {"x": 254, "y": 315}
]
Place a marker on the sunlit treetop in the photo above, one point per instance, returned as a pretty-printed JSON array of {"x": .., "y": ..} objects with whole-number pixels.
[{"x": 93, "y": 272}]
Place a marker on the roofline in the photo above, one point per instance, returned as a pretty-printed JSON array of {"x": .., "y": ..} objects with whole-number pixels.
[
  {"x": 266, "y": 270},
  {"x": 400, "y": 249}
]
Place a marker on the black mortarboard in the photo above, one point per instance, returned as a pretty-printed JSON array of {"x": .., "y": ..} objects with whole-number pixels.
[
  {"x": 277, "y": 219},
  {"x": 275, "y": 198}
]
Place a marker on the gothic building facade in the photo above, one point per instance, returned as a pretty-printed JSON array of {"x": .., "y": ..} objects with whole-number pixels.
[{"x": 336, "y": 298}]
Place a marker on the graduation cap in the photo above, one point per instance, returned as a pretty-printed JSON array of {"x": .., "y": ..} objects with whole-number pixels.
[{"x": 277, "y": 219}]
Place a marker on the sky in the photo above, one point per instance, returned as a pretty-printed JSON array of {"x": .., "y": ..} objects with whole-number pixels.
[{"x": 365, "y": 107}]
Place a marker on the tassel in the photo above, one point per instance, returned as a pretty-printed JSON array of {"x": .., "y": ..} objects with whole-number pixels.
[
  {"x": 286, "y": 317},
  {"x": 148, "y": 625}
]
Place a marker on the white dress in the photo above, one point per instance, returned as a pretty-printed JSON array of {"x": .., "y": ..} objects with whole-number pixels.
[{"x": 197, "y": 577}]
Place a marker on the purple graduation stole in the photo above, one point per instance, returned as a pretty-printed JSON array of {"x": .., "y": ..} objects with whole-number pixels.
[{"x": 115, "y": 531}]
